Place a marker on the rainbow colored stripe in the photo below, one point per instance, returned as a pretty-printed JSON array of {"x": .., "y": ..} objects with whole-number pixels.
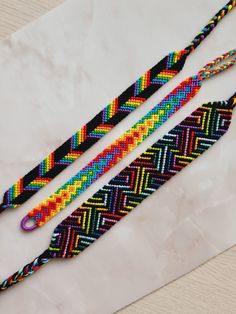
[
  {"x": 129, "y": 140},
  {"x": 145, "y": 175},
  {"x": 115, "y": 152},
  {"x": 94, "y": 130}
]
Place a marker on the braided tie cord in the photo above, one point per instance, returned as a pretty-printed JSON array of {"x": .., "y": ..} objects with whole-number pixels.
[
  {"x": 210, "y": 26},
  {"x": 26, "y": 271},
  {"x": 210, "y": 69}
]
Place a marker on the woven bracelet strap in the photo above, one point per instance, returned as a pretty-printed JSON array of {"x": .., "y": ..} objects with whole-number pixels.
[
  {"x": 158, "y": 164},
  {"x": 105, "y": 120},
  {"x": 125, "y": 144},
  {"x": 146, "y": 174}
]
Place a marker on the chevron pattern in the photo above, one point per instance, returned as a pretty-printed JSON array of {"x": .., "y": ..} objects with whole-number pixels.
[
  {"x": 130, "y": 140},
  {"x": 145, "y": 175},
  {"x": 106, "y": 119},
  {"x": 115, "y": 152},
  {"x": 100, "y": 125},
  {"x": 141, "y": 178}
]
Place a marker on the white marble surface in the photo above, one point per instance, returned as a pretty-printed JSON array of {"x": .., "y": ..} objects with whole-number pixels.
[{"x": 56, "y": 74}]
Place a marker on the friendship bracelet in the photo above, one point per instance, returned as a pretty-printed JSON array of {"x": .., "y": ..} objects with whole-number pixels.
[
  {"x": 105, "y": 120},
  {"x": 125, "y": 144},
  {"x": 158, "y": 164},
  {"x": 153, "y": 168}
]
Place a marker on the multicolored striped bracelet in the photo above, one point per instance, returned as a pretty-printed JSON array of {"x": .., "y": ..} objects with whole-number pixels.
[
  {"x": 146, "y": 174},
  {"x": 133, "y": 97},
  {"x": 125, "y": 144}
]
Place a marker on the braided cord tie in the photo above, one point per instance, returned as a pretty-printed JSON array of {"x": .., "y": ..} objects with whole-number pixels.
[
  {"x": 133, "y": 137},
  {"x": 210, "y": 26},
  {"x": 210, "y": 69},
  {"x": 26, "y": 271}
]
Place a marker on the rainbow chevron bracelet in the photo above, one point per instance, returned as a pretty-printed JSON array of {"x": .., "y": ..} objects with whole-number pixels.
[
  {"x": 126, "y": 143},
  {"x": 105, "y": 120}
]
